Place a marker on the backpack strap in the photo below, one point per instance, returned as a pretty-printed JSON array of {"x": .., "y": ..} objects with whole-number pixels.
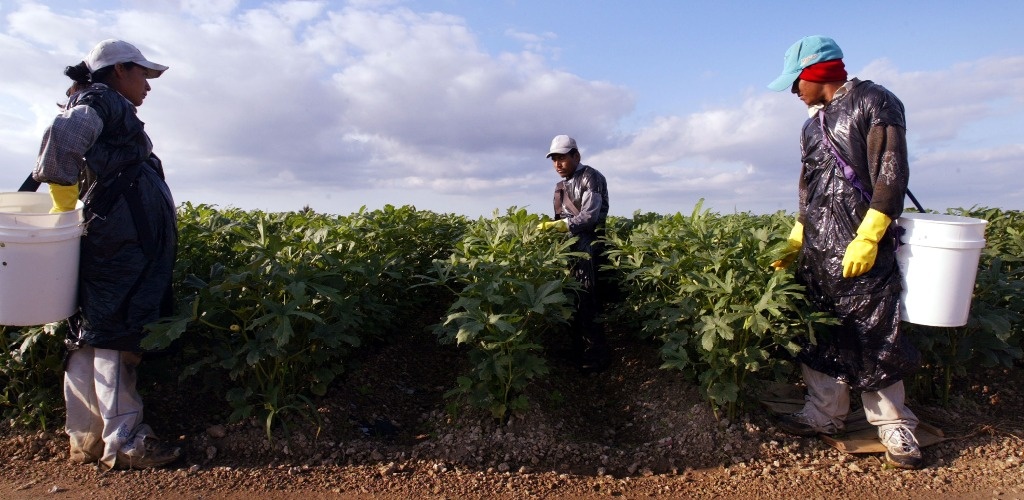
[
  {"x": 848, "y": 171},
  {"x": 30, "y": 184},
  {"x": 562, "y": 201}
]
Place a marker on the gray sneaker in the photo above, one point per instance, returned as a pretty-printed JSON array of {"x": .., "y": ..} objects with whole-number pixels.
[
  {"x": 799, "y": 424},
  {"x": 155, "y": 454},
  {"x": 901, "y": 448}
]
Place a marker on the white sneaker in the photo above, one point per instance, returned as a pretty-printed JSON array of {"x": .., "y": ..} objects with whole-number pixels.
[
  {"x": 901, "y": 448},
  {"x": 155, "y": 454}
]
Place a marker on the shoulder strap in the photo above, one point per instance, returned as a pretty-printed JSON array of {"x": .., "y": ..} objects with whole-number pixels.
[
  {"x": 563, "y": 202},
  {"x": 30, "y": 184},
  {"x": 848, "y": 171}
]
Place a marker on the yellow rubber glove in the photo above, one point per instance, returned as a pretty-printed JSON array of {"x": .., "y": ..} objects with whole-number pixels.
[
  {"x": 795, "y": 241},
  {"x": 861, "y": 252},
  {"x": 560, "y": 225},
  {"x": 64, "y": 197}
]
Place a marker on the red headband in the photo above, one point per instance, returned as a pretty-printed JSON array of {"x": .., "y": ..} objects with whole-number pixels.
[{"x": 823, "y": 72}]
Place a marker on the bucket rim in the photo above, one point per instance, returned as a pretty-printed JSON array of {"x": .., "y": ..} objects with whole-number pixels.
[
  {"x": 942, "y": 219},
  {"x": 945, "y": 244},
  {"x": 29, "y": 227},
  {"x": 43, "y": 199}
]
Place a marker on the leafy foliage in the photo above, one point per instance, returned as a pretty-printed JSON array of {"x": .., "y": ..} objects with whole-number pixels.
[
  {"x": 278, "y": 301},
  {"x": 273, "y": 305},
  {"x": 510, "y": 282},
  {"x": 703, "y": 286},
  {"x": 31, "y": 374}
]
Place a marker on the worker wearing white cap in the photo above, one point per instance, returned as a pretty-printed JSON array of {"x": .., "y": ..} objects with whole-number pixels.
[
  {"x": 97, "y": 149},
  {"x": 581, "y": 207}
]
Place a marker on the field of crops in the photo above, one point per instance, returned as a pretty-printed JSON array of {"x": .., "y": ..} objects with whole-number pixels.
[{"x": 273, "y": 306}]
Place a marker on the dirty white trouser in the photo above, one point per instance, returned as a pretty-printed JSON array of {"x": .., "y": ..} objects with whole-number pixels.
[
  {"x": 104, "y": 410},
  {"x": 828, "y": 400}
]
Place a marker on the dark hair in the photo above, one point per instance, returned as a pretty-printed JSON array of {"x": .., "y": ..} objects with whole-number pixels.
[{"x": 81, "y": 75}]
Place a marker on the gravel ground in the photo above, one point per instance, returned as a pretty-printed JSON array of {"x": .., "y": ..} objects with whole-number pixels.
[{"x": 633, "y": 431}]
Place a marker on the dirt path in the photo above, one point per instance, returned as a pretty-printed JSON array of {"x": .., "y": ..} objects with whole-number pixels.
[{"x": 633, "y": 431}]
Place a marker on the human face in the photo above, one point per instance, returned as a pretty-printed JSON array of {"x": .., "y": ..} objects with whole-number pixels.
[
  {"x": 565, "y": 164},
  {"x": 811, "y": 93},
  {"x": 131, "y": 82}
]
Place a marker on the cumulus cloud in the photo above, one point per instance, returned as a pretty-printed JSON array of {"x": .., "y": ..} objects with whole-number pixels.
[
  {"x": 285, "y": 104},
  {"x": 747, "y": 157}
]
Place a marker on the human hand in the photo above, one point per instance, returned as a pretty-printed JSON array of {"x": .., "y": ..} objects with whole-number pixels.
[
  {"x": 556, "y": 225},
  {"x": 859, "y": 257},
  {"x": 861, "y": 252},
  {"x": 64, "y": 197},
  {"x": 793, "y": 245}
]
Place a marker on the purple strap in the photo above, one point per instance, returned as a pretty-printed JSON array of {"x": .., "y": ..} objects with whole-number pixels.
[{"x": 847, "y": 170}]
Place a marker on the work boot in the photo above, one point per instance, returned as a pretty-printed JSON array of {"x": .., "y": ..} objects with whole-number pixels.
[
  {"x": 155, "y": 454},
  {"x": 901, "y": 448},
  {"x": 86, "y": 449},
  {"x": 800, "y": 424}
]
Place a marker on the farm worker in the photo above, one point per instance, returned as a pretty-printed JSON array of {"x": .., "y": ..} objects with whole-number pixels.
[
  {"x": 98, "y": 150},
  {"x": 851, "y": 188},
  {"x": 581, "y": 208}
]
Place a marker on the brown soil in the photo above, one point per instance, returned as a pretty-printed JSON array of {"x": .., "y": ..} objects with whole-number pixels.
[{"x": 635, "y": 430}]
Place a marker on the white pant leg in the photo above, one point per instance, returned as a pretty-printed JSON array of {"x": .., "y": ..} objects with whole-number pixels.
[
  {"x": 84, "y": 424},
  {"x": 119, "y": 403},
  {"x": 827, "y": 400},
  {"x": 885, "y": 408}
]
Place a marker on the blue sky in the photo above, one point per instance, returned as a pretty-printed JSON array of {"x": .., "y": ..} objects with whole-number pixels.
[{"x": 449, "y": 105}]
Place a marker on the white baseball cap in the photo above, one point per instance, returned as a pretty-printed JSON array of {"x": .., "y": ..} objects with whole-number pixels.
[
  {"x": 561, "y": 145},
  {"x": 110, "y": 52}
]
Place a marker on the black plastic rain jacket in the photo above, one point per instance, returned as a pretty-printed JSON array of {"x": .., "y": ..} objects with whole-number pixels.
[
  {"x": 130, "y": 243},
  {"x": 866, "y": 126},
  {"x": 586, "y": 190}
]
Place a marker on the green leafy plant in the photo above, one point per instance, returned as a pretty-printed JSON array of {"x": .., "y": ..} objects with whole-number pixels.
[
  {"x": 271, "y": 307},
  {"x": 32, "y": 374},
  {"x": 511, "y": 284},
  {"x": 702, "y": 284},
  {"x": 281, "y": 307}
]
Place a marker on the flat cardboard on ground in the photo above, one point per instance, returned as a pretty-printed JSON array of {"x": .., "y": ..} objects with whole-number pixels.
[{"x": 860, "y": 436}]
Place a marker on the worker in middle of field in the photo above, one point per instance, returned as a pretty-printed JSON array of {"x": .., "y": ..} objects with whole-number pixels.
[{"x": 581, "y": 208}]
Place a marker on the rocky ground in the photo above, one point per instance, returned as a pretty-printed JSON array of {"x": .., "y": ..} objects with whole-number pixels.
[{"x": 633, "y": 431}]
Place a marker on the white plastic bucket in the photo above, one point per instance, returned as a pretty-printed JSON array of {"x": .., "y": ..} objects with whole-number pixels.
[
  {"x": 939, "y": 261},
  {"x": 38, "y": 260}
]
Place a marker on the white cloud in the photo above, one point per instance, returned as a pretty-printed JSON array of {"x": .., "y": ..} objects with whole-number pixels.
[
  {"x": 206, "y": 8},
  {"x": 285, "y": 104},
  {"x": 747, "y": 156}
]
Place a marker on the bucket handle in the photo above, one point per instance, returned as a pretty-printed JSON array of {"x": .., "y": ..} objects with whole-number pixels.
[
  {"x": 847, "y": 171},
  {"x": 30, "y": 184},
  {"x": 916, "y": 203}
]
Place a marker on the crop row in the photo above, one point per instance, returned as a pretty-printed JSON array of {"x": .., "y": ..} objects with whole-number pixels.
[{"x": 272, "y": 306}]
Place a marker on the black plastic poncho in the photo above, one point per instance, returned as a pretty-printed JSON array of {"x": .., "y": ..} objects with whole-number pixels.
[
  {"x": 582, "y": 200},
  {"x": 130, "y": 243},
  {"x": 866, "y": 126}
]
